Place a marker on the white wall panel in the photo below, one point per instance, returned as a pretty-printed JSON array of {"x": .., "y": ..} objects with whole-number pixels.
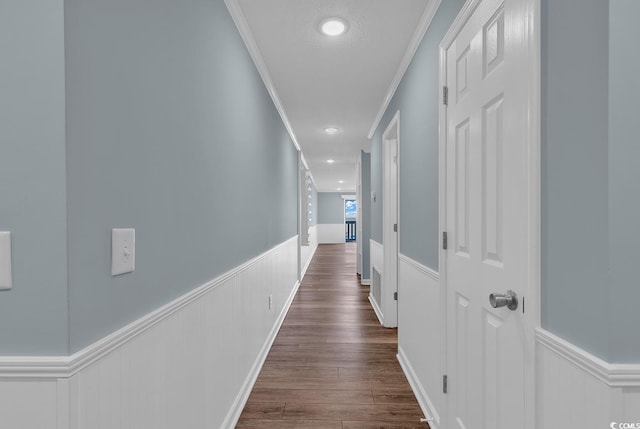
[
  {"x": 190, "y": 364},
  {"x": 307, "y": 252},
  {"x": 420, "y": 334},
  {"x": 576, "y": 389},
  {"x": 331, "y": 233},
  {"x": 376, "y": 251},
  {"x": 28, "y": 404}
]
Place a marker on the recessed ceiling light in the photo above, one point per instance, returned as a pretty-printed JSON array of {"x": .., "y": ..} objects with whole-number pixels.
[
  {"x": 339, "y": 189},
  {"x": 340, "y": 181},
  {"x": 331, "y": 161},
  {"x": 333, "y": 26},
  {"x": 331, "y": 130}
]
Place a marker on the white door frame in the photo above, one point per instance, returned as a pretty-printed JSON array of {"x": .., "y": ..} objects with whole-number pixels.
[
  {"x": 390, "y": 215},
  {"x": 532, "y": 314},
  {"x": 301, "y": 212}
]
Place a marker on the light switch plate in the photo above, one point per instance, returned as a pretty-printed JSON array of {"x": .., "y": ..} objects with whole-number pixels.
[
  {"x": 6, "y": 278},
  {"x": 123, "y": 251}
]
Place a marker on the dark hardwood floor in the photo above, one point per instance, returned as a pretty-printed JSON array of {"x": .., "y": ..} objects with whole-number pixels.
[{"x": 332, "y": 365}]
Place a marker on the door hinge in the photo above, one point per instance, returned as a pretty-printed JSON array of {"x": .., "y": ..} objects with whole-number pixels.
[
  {"x": 445, "y": 95},
  {"x": 523, "y": 305},
  {"x": 395, "y": 227},
  {"x": 444, "y": 240},
  {"x": 444, "y": 383},
  {"x": 395, "y": 296}
]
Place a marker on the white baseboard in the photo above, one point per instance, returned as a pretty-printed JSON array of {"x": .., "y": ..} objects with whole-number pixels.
[
  {"x": 365, "y": 282},
  {"x": 376, "y": 309},
  {"x": 577, "y": 389},
  {"x": 421, "y": 342},
  {"x": 191, "y": 363},
  {"x": 375, "y": 262},
  {"x": 238, "y": 405},
  {"x": 419, "y": 391}
]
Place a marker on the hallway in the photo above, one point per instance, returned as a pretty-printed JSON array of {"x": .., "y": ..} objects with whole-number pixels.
[{"x": 332, "y": 364}]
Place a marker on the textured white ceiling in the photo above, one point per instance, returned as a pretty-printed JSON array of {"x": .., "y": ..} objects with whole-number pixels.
[{"x": 324, "y": 81}]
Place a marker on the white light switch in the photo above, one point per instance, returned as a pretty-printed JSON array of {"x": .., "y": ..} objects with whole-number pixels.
[
  {"x": 123, "y": 250},
  {"x": 6, "y": 279}
]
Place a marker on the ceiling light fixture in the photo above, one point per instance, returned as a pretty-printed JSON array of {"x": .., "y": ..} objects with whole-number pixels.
[
  {"x": 331, "y": 130},
  {"x": 333, "y": 26},
  {"x": 340, "y": 181},
  {"x": 331, "y": 161},
  {"x": 339, "y": 189}
]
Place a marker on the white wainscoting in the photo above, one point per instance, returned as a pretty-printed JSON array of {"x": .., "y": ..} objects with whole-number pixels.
[
  {"x": 376, "y": 262},
  {"x": 577, "y": 389},
  {"x": 329, "y": 233},
  {"x": 307, "y": 252},
  {"x": 420, "y": 335},
  {"x": 189, "y": 364}
]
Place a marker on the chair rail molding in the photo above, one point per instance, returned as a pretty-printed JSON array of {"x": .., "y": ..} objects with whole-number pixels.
[{"x": 196, "y": 358}]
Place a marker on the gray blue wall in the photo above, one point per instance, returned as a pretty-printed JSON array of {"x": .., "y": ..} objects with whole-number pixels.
[
  {"x": 33, "y": 316},
  {"x": 575, "y": 172},
  {"x": 590, "y": 176},
  {"x": 330, "y": 207},
  {"x": 365, "y": 212},
  {"x": 169, "y": 130},
  {"x": 624, "y": 179},
  {"x": 417, "y": 98},
  {"x": 590, "y": 179}
]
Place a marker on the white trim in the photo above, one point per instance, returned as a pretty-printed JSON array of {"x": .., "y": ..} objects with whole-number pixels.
[
  {"x": 532, "y": 317},
  {"x": 375, "y": 257},
  {"x": 442, "y": 215},
  {"x": 380, "y": 247},
  {"x": 55, "y": 367},
  {"x": 420, "y": 267},
  {"x": 348, "y": 197},
  {"x": 613, "y": 375},
  {"x": 376, "y": 309},
  {"x": 306, "y": 265},
  {"x": 418, "y": 35},
  {"x": 421, "y": 341},
  {"x": 420, "y": 393},
  {"x": 390, "y": 215},
  {"x": 241, "y": 399},
  {"x": 463, "y": 16},
  {"x": 365, "y": 282},
  {"x": 313, "y": 244},
  {"x": 376, "y": 251},
  {"x": 235, "y": 10}
]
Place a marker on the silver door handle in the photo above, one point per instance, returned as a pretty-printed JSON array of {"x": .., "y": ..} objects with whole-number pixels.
[{"x": 509, "y": 300}]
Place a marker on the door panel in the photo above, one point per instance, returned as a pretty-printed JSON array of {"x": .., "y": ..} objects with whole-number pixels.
[{"x": 486, "y": 183}]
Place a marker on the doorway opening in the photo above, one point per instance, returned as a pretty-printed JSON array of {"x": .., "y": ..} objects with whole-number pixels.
[
  {"x": 390, "y": 171},
  {"x": 350, "y": 215}
]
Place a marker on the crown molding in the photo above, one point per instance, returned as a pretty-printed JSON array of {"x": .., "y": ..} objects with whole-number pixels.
[
  {"x": 237, "y": 14},
  {"x": 60, "y": 367},
  {"x": 418, "y": 35}
]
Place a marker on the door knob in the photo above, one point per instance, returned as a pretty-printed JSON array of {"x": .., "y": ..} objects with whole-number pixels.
[{"x": 509, "y": 300}]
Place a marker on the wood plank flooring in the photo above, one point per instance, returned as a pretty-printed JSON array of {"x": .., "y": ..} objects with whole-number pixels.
[{"x": 332, "y": 365}]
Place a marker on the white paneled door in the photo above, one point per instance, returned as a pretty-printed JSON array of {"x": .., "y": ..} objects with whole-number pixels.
[
  {"x": 486, "y": 216},
  {"x": 391, "y": 144}
]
